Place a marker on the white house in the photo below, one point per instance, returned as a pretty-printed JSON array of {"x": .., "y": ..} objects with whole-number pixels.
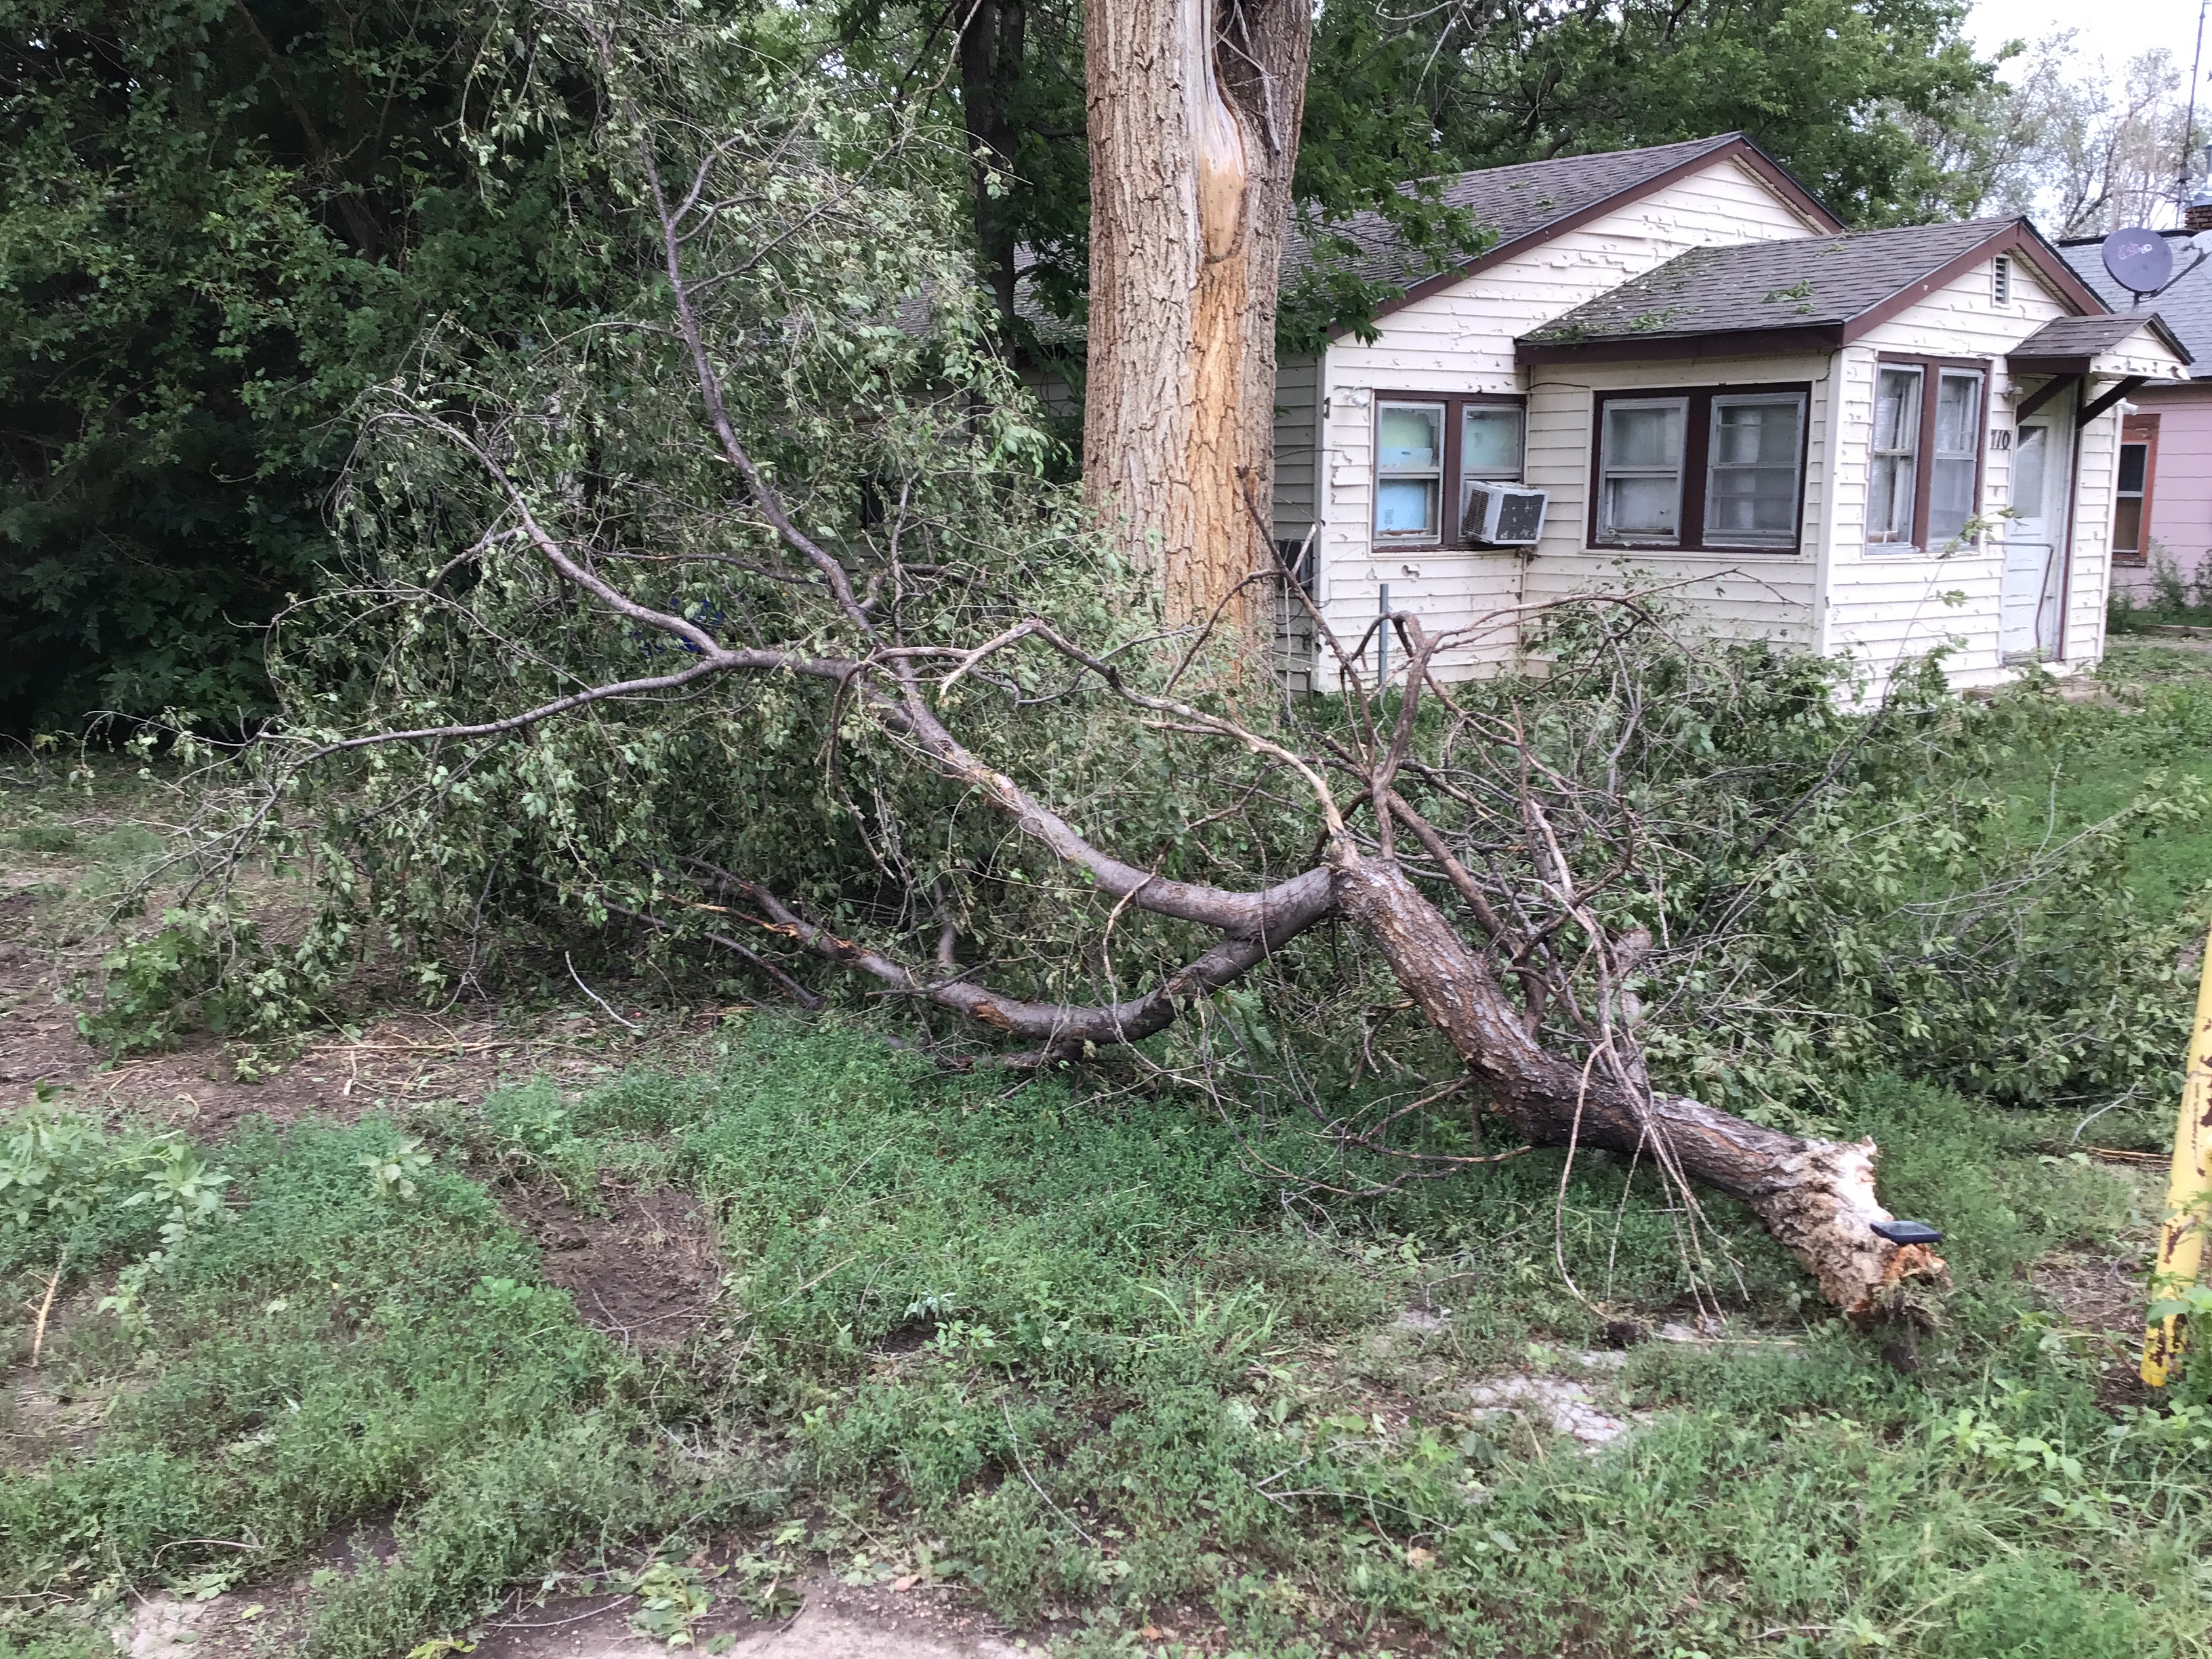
[{"x": 1866, "y": 443}]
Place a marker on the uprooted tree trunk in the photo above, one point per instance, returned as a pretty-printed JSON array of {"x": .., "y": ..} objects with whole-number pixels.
[{"x": 1816, "y": 1197}]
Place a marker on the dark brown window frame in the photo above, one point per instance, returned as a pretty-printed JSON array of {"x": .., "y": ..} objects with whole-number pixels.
[
  {"x": 1697, "y": 450},
  {"x": 1924, "y": 458},
  {"x": 1447, "y": 535},
  {"x": 2136, "y": 430}
]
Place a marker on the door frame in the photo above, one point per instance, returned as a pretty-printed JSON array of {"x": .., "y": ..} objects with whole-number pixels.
[
  {"x": 2056, "y": 521},
  {"x": 2068, "y": 404}
]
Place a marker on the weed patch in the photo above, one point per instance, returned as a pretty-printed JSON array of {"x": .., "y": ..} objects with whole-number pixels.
[{"x": 1074, "y": 1358}]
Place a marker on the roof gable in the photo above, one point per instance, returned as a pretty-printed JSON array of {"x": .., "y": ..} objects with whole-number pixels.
[
  {"x": 1531, "y": 203},
  {"x": 1796, "y": 294}
]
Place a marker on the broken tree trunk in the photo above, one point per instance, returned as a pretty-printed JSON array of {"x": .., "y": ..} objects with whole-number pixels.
[
  {"x": 1816, "y": 1197},
  {"x": 1194, "y": 119}
]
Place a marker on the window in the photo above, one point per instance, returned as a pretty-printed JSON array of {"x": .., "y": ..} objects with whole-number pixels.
[
  {"x": 1711, "y": 469},
  {"x": 2001, "y": 280},
  {"x": 2131, "y": 498},
  {"x": 1924, "y": 468},
  {"x": 1640, "y": 479},
  {"x": 1896, "y": 454},
  {"x": 1751, "y": 478},
  {"x": 1409, "y": 470},
  {"x": 1958, "y": 455},
  {"x": 2031, "y": 454},
  {"x": 1420, "y": 443}
]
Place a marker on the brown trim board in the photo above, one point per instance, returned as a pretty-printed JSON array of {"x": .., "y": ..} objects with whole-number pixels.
[{"x": 1677, "y": 348}]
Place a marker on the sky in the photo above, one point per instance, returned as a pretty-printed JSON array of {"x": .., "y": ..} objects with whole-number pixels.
[{"x": 2116, "y": 29}]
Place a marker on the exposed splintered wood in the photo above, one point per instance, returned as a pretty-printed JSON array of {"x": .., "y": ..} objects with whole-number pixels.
[
  {"x": 1193, "y": 123},
  {"x": 1816, "y": 1197}
]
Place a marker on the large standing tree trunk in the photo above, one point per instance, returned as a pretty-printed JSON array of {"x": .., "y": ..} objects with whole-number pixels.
[
  {"x": 1816, "y": 1197},
  {"x": 992, "y": 45},
  {"x": 1194, "y": 117}
]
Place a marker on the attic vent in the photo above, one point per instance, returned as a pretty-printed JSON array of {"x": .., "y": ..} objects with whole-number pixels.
[{"x": 2001, "y": 281}]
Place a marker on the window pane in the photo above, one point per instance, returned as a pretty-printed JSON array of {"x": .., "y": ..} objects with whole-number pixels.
[
  {"x": 2135, "y": 461},
  {"x": 2032, "y": 445},
  {"x": 1642, "y": 507},
  {"x": 1958, "y": 411},
  {"x": 1490, "y": 442},
  {"x": 1897, "y": 410},
  {"x": 1751, "y": 484},
  {"x": 1889, "y": 500},
  {"x": 1745, "y": 500},
  {"x": 1950, "y": 499},
  {"x": 1406, "y": 506},
  {"x": 2127, "y": 525},
  {"x": 1643, "y": 437},
  {"x": 1755, "y": 435},
  {"x": 1409, "y": 437}
]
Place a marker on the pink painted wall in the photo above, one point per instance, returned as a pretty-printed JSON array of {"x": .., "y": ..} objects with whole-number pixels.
[{"x": 2181, "y": 490}]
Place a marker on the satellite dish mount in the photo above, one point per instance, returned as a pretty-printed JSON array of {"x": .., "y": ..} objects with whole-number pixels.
[{"x": 2139, "y": 260}]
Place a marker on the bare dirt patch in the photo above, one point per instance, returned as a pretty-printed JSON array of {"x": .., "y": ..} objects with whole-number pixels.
[
  {"x": 835, "y": 1621},
  {"x": 644, "y": 1273}
]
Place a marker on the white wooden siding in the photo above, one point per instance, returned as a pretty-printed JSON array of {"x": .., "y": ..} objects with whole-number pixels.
[
  {"x": 1461, "y": 340},
  {"x": 1883, "y": 607},
  {"x": 1740, "y": 593}
]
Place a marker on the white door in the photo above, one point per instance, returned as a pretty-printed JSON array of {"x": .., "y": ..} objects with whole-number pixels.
[{"x": 2032, "y": 599}]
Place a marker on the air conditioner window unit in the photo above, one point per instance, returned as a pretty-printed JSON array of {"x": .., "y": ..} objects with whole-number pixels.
[{"x": 1502, "y": 515}]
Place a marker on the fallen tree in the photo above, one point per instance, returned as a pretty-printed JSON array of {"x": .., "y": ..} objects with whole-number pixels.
[{"x": 604, "y": 528}]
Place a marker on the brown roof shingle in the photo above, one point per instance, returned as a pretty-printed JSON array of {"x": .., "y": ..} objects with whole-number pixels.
[
  {"x": 1782, "y": 288},
  {"x": 1516, "y": 202},
  {"x": 2085, "y": 336}
]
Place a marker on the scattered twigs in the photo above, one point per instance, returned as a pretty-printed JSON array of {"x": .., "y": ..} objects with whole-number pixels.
[
  {"x": 45, "y": 1307},
  {"x": 627, "y": 1025}
]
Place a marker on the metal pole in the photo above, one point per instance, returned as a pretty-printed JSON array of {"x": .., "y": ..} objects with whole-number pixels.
[
  {"x": 1382, "y": 640},
  {"x": 2188, "y": 121},
  {"x": 2188, "y": 1194}
]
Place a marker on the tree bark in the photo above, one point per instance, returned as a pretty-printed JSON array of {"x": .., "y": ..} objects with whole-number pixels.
[
  {"x": 1194, "y": 114},
  {"x": 1815, "y": 1196}
]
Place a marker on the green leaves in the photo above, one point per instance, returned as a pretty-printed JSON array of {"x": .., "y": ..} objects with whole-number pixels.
[{"x": 392, "y": 1174}]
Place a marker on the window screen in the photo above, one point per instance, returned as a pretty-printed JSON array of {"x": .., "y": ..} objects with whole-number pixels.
[
  {"x": 1896, "y": 448},
  {"x": 1409, "y": 448},
  {"x": 1752, "y": 470},
  {"x": 1640, "y": 467}
]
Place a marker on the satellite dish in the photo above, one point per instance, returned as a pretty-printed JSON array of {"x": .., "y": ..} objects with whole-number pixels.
[{"x": 2139, "y": 259}]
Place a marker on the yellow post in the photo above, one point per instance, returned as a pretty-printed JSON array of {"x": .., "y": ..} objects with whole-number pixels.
[{"x": 2181, "y": 1236}]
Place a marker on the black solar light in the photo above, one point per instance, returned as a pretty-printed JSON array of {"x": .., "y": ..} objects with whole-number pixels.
[{"x": 1908, "y": 1233}]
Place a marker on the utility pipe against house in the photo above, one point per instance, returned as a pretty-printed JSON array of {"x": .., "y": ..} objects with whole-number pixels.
[{"x": 2188, "y": 1194}]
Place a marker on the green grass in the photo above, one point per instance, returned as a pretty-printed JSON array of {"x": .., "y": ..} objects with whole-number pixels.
[{"x": 1074, "y": 1355}]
